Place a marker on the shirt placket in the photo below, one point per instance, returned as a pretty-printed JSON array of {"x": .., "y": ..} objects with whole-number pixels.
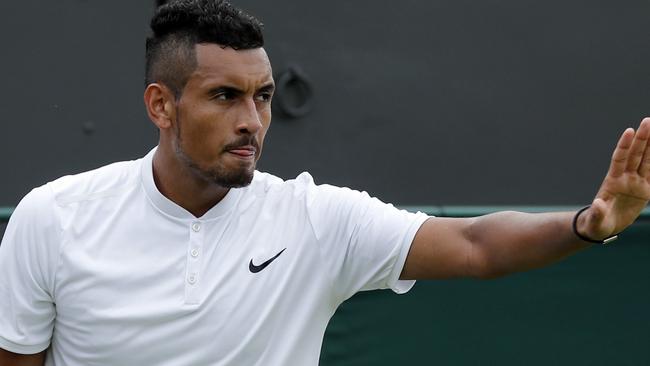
[{"x": 194, "y": 259}]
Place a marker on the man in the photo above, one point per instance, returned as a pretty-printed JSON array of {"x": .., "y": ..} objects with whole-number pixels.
[{"x": 189, "y": 256}]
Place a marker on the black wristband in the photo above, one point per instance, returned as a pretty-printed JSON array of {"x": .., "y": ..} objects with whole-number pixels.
[{"x": 582, "y": 237}]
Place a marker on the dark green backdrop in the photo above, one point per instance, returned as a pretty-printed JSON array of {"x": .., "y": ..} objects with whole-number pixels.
[
  {"x": 591, "y": 309},
  {"x": 533, "y": 93}
]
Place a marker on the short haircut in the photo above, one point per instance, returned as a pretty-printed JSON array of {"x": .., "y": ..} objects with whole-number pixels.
[{"x": 179, "y": 25}]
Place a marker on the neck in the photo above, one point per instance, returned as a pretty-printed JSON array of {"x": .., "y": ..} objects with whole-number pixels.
[{"x": 182, "y": 186}]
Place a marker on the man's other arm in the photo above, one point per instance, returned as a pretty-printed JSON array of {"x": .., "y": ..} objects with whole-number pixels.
[
  {"x": 506, "y": 242},
  {"x": 14, "y": 359}
]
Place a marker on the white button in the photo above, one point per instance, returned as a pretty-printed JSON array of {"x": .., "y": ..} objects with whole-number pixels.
[
  {"x": 194, "y": 253},
  {"x": 192, "y": 278},
  {"x": 196, "y": 227}
]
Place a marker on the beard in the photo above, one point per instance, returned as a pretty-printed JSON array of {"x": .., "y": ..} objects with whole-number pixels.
[{"x": 220, "y": 175}]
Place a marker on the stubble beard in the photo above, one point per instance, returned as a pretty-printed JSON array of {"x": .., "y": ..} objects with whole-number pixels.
[{"x": 218, "y": 175}]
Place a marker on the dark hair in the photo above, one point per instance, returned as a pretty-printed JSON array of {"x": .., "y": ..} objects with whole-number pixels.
[{"x": 178, "y": 25}]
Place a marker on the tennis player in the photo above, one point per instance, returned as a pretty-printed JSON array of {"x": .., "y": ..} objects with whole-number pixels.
[{"x": 189, "y": 256}]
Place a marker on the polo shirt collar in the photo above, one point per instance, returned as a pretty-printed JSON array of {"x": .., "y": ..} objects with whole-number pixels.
[{"x": 169, "y": 207}]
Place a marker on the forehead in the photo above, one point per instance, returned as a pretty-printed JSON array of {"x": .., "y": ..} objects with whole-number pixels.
[{"x": 217, "y": 65}]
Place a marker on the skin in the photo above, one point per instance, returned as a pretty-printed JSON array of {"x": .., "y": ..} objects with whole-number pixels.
[
  {"x": 213, "y": 134},
  {"x": 216, "y": 129},
  {"x": 14, "y": 359}
]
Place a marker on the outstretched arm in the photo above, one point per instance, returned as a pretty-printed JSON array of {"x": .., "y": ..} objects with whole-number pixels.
[{"x": 506, "y": 242}]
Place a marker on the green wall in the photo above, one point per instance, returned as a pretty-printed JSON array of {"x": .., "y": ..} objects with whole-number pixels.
[{"x": 591, "y": 309}]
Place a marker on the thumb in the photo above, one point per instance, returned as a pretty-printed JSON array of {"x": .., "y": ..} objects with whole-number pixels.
[
  {"x": 597, "y": 210},
  {"x": 596, "y": 225}
]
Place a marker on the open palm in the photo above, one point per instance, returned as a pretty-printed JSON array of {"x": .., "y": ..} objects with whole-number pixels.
[{"x": 625, "y": 191}]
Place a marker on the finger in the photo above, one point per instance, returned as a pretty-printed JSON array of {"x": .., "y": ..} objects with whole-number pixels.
[
  {"x": 644, "y": 167},
  {"x": 638, "y": 147},
  {"x": 619, "y": 158}
]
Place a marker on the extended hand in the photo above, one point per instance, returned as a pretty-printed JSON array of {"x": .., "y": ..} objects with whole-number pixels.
[{"x": 626, "y": 189}]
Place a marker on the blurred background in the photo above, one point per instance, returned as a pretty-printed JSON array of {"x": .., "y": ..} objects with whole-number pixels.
[{"x": 436, "y": 103}]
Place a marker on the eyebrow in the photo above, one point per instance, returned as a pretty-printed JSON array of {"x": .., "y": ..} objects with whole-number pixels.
[
  {"x": 267, "y": 88},
  {"x": 225, "y": 89}
]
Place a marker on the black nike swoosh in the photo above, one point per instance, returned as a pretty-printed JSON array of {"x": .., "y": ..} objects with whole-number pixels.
[{"x": 254, "y": 269}]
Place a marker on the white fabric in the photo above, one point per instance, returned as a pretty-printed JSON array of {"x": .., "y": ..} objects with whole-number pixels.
[{"x": 137, "y": 280}]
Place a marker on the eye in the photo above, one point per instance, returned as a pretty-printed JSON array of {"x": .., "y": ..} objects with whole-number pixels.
[
  {"x": 264, "y": 97},
  {"x": 223, "y": 96}
]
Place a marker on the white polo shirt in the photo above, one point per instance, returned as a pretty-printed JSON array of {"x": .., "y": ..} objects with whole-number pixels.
[{"x": 108, "y": 271}]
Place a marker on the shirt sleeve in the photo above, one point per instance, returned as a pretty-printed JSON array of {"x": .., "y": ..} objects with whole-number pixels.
[
  {"x": 28, "y": 258},
  {"x": 364, "y": 241}
]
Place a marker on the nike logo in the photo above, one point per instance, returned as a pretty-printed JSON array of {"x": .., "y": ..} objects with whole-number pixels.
[{"x": 254, "y": 269}]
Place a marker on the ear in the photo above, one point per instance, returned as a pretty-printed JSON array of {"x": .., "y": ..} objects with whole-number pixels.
[{"x": 160, "y": 102}]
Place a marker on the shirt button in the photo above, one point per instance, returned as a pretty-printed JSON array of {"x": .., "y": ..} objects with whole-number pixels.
[
  {"x": 196, "y": 227},
  {"x": 194, "y": 253},
  {"x": 191, "y": 279}
]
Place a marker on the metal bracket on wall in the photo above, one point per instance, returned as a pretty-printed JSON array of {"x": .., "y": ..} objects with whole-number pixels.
[{"x": 294, "y": 93}]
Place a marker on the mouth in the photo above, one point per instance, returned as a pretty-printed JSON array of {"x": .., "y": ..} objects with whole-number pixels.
[{"x": 243, "y": 152}]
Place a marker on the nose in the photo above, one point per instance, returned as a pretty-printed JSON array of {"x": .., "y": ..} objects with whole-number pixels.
[{"x": 249, "y": 122}]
